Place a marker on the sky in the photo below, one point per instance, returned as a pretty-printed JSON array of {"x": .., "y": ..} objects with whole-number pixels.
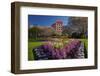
[{"x": 44, "y": 20}]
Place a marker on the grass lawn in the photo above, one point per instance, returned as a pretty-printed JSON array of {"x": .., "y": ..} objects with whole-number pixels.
[
  {"x": 85, "y": 41},
  {"x": 31, "y": 45}
]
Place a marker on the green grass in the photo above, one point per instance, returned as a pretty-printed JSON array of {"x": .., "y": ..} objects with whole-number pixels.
[
  {"x": 31, "y": 45},
  {"x": 85, "y": 41}
]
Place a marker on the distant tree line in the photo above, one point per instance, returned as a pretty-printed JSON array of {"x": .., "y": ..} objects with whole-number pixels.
[{"x": 77, "y": 28}]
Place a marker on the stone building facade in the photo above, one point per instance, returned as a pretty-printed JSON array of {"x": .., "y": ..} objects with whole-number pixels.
[{"x": 58, "y": 27}]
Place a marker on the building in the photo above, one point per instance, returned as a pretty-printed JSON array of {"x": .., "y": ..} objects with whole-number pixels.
[{"x": 58, "y": 27}]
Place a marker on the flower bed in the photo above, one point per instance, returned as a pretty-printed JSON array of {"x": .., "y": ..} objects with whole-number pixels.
[{"x": 59, "y": 50}]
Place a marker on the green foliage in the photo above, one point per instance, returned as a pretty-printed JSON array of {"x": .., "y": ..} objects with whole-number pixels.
[
  {"x": 83, "y": 36},
  {"x": 34, "y": 32}
]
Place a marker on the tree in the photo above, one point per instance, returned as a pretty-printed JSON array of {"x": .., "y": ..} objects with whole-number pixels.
[
  {"x": 47, "y": 31},
  {"x": 78, "y": 25},
  {"x": 34, "y": 32}
]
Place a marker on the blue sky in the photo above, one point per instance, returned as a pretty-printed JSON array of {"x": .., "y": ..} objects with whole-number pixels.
[{"x": 44, "y": 20}]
